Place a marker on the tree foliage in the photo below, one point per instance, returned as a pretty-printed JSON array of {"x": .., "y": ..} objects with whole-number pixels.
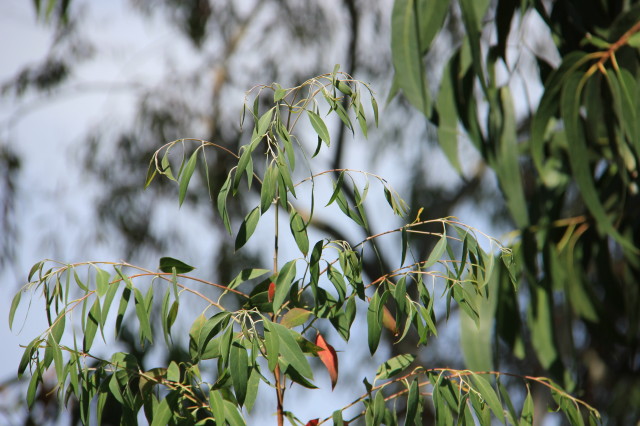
[
  {"x": 568, "y": 169},
  {"x": 278, "y": 326},
  {"x": 565, "y": 163}
]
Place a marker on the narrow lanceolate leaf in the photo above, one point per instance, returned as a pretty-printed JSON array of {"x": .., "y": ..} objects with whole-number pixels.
[
  {"x": 168, "y": 263},
  {"x": 579, "y": 158},
  {"x": 394, "y": 366},
  {"x": 437, "y": 251},
  {"x": 102, "y": 281},
  {"x": 290, "y": 350},
  {"x": 162, "y": 413},
  {"x": 216, "y": 403},
  {"x": 246, "y": 275},
  {"x": 14, "y": 305},
  {"x": 222, "y": 202},
  {"x": 92, "y": 324},
  {"x": 299, "y": 231},
  {"x": 295, "y": 317},
  {"x": 374, "y": 323},
  {"x": 410, "y": 75},
  {"x": 143, "y": 317},
  {"x": 412, "y": 402},
  {"x": 239, "y": 366},
  {"x": 186, "y": 174},
  {"x": 248, "y": 227},
  {"x": 283, "y": 284},
  {"x": 472, "y": 24},
  {"x": 268, "y": 190},
  {"x": 319, "y": 127},
  {"x": 448, "y": 119},
  {"x": 329, "y": 358},
  {"x": 272, "y": 343},
  {"x": 526, "y": 417},
  {"x": 490, "y": 396}
]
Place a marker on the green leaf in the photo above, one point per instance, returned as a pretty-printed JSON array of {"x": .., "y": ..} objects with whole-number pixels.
[
  {"x": 283, "y": 284},
  {"x": 378, "y": 408},
  {"x": 216, "y": 403},
  {"x": 409, "y": 75},
  {"x": 233, "y": 416},
  {"x": 14, "y": 305},
  {"x": 246, "y": 275},
  {"x": 476, "y": 334},
  {"x": 290, "y": 350},
  {"x": 162, "y": 413},
  {"x": 91, "y": 326},
  {"x": 185, "y": 176},
  {"x": 33, "y": 386},
  {"x": 337, "y": 418},
  {"x": 168, "y": 263},
  {"x": 437, "y": 252},
  {"x": 431, "y": 16},
  {"x": 374, "y": 105},
  {"x": 239, "y": 367},
  {"x": 268, "y": 190},
  {"x": 299, "y": 231},
  {"x": 57, "y": 358},
  {"x": 579, "y": 158},
  {"x": 102, "y": 281},
  {"x": 542, "y": 327},
  {"x": 448, "y": 119},
  {"x": 413, "y": 400},
  {"x": 278, "y": 95},
  {"x": 471, "y": 21},
  {"x": 252, "y": 388},
  {"x": 245, "y": 163},
  {"x": 122, "y": 308},
  {"x": 263, "y": 123},
  {"x": 526, "y": 418},
  {"x": 247, "y": 227},
  {"x": 374, "y": 322},
  {"x": 151, "y": 173},
  {"x": 272, "y": 343},
  {"x": 394, "y": 366},
  {"x": 143, "y": 317},
  {"x": 295, "y": 317},
  {"x": 489, "y": 395},
  {"x": 222, "y": 202},
  {"x": 337, "y": 280},
  {"x": 511, "y": 411},
  {"x": 319, "y": 126}
]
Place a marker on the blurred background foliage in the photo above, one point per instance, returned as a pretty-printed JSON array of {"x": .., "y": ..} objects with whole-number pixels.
[{"x": 534, "y": 103}]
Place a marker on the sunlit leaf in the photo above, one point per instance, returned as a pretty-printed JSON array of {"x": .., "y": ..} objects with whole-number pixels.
[
  {"x": 329, "y": 358},
  {"x": 299, "y": 231},
  {"x": 394, "y": 366},
  {"x": 319, "y": 126},
  {"x": 185, "y": 176},
  {"x": 410, "y": 75},
  {"x": 247, "y": 227},
  {"x": 283, "y": 284},
  {"x": 290, "y": 350},
  {"x": 239, "y": 367},
  {"x": 295, "y": 317}
]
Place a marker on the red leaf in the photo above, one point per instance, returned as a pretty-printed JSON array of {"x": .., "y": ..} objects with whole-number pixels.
[
  {"x": 271, "y": 292},
  {"x": 313, "y": 422},
  {"x": 329, "y": 358}
]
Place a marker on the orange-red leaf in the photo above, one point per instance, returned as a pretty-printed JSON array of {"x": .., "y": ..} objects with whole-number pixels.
[
  {"x": 389, "y": 321},
  {"x": 313, "y": 422},
  {"x": 329, "y": 358},
  {"x": 271, "y": 292}
]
